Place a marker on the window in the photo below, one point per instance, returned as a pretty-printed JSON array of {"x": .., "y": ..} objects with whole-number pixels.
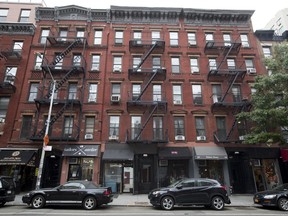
[
  {"x": 4, "y": 102},
  {"x": 77, "y": 60},
  {"x": 216, "y": 93},
  {"x": 177, "y": 94},
  {"x": 175, "y": 62},
  {"x": 231, "y": 64},
  {"x": 119, "y": 37},
  {"x": 26, "y": 126},
  {"x": 227, "y": 39},
  {"x": 3, "y": 14},
  {"x": 197, "y": 94},
  {"x": 244, "y": 40},
  {"x": 92, "y": 97},
  {"x": 236, "y": 93},
  {"x": 44, "y": 35},
  {"x": 158, "y": 128},
  {"x": 209, "y": 37},
  {"x": 98, "y": 37},
  {"x": 116, "y": 89},
  {"x": 156, "y": 63},
  {"x": 117, "y": 63},
  {"x": 95, "y": 65},
  {"x": 194, "y": 65},
  {"x": 80, "y": 33},
  {"x": 89, "y": 125},
  {"x": 114, "y": 127},
  {"x": 267, "y": 51},
  {"x": 157, "y": 92},
  {"x": 192, "y": 39},
  {"x": 60, "y": 63},
  {"x": 10, "y": 75},
  {"x": 179, "y": 126},
  {"x": 38, "y": 62},
  {"x": 136, "y": 62},
  {"x": 18, "y": 46},
  {"x": 33, "y": 92},
  {"x": 249, "y": 64},
  {"x": 135, "y": 127},
  {"x": 137, "y": 35},
  {"x": 221, "y": 127},
  {"x": 72, "y": 91},
  {"x": 200, "y": 127},
  {"x": 24, "y": 15},
  {"x": 63, "y": 34},
  {"x": 155, "y": 36},
  {"x": 68, "y": 126},
  {"x": 136, "y": 91},
  {"x": 212, "y": 64},
  {"x": 173, "y": 38}
]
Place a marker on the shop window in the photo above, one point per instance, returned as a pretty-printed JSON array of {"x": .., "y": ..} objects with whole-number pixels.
[
  {"x": 212, "y": 169},
  {"x": 81, "y": 169}
]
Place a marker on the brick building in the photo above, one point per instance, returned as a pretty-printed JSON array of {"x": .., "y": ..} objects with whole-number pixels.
[{"x": 144, "y": 96}]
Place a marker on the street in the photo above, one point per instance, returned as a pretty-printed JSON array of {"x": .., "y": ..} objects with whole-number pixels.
[{"x": 139, "y": 211}]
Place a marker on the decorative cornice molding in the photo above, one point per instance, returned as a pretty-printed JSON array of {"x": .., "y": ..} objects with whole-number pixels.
[{"x": 17, "y": 28}]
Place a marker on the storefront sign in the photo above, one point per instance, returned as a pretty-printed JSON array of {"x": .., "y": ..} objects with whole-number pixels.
[
  {"x": 80, "y": 150},
  {"x": 17, "y": 157}
]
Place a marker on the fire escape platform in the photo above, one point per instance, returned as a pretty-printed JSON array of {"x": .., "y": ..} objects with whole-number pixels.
[
  {"x": 143, "y": 72},
  {"x": 222, "y": 74},
  {"x": 65, "y": 41},
  {"x": 7, "y": 88},
  {"x": 213, "y": 46},
  {"x": 137, "y": 105},
  {"x": 142, "y": 45},
  {"x": 229, "y": 106}
]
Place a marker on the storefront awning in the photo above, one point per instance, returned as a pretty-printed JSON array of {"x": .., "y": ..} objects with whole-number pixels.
[
  {"x": 210, "y": 153},
  {"x": 81, "y": 151},
  {"x": 17, "y": 157},
  {"x": 284, "y": 155},
  {"x": 117, "y": 152},
  {"x": 175, "y": 152}
]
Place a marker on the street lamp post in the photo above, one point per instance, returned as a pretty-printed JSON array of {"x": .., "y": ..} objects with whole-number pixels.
[{"x": 41, "y": 164}]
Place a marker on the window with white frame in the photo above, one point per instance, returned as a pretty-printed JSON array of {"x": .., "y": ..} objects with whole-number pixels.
[
  {"x": 4, "y": 102},
  {"x": 98, "y": 37},
  {"x": 59, "y": 63},
  {"x": 38, "y": 62},
  {"x": 95, "y": 62},
  {"x": 192, "y": 39},
  {"x": 177, "y": 94},
  {"x": 119, "y": 37},
  {"x": 156, "y": 63},
  {"x": 179, "y": 129},
  {"x": 114, "y": 126},
  {"x": 266, "y": 51},
  {"x": 173, "y": 38},
  {"x": 63, "y": 34},
  {"x": 136, "y": 61},
  {"x": 92, "y": 95},
  {"x": 72, "y": 91},
  {"x": 197, "y": 94},
  {"x": 221, "y": 127},
  {"x": 89, "y": 125},
  {"x": 10, "y": 74},
  {"x": 18, "y": 46},
  {"x": 136, "y": 91},
  {"x": 227, "y": 39},
  {"x": 26, "y": 126},
  {"x": 216, "y": 93},
  {"x": 200, "y": 128},
  {"x": 158, "y": 133},
  {"x": 80, "y": 33},
  {"x": 155, "y": 36},
  {"x": 244, "y": 40},
  {"x": 231, "y": 63},
  {"x": 209, "y": 37},
  {"x": 212, "y": 64},
  {"x": 250, "y": 65},
  {"x": 194, "y": 65},
  {"x": 117, "y": 63},
  {"x": 116, "y": 89},
  {"x": 3, "y": 14},
  {"x": 24, "y": 15},
  {"x": 175, "y": 63},
  {"x": 33, "y": 91},
  {"x": 77, "y": 60},
  {"x": 44, "y": 35},
  {"x": 236, "y": 93},
  {"x": 157, "y": 92},
  {"x": 135, "y": 127},
  {"x": 137, "y": 35},
  {"x": 68, "y": 126}
]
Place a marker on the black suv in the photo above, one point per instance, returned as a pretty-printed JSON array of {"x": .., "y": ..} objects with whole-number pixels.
[
  {"x": 7, "y": 190},
  {"x": 207, "y": 192}
]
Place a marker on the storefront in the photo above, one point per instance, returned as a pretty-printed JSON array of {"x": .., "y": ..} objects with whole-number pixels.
[
  {"x": 81, "y": 162},
  {"x": 118, "y": 167},
  {"x": 20, "y": 164}
]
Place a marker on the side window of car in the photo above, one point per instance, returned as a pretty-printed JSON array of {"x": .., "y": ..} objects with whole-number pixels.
[
  {"x": 71, "y": 185},
  {"x": 189, "y": 183},
  {"x": 204, "y": 183}
]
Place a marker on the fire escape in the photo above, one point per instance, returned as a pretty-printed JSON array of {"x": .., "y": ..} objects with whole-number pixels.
[
  {"x": 144, "y": 102},
  {"x": 227, "y": 75},
  {"x": 65, "y": 103}
]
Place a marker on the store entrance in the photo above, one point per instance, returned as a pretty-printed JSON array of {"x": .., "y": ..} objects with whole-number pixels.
[{"x": 146, "y": 173}]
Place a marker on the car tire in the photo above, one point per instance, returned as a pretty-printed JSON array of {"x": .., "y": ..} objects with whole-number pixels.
[
  {"x": 217, "y": 203},
  {"x": 2, "y": 204},
  {"x": 89, "y": 203},
  {"x": 38, "y": 202},
  {"x": 283, "y": 204},
  {"x": 167, "y": 203}
]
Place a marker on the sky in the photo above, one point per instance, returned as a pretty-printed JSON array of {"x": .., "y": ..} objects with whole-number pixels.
[{"x": 264, "y": 10}]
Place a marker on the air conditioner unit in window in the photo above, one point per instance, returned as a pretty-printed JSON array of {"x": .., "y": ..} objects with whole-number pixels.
[
  {"x": 179, "y": 137},
  {"x": 88, "y": 136},
  {"x": 245, "y": 45},
  {"x": 252, "y": 71},
  {"x": 117, "y": 69},
  {"x": 241, "y": 138},
  {"x": 113, "y": 137},
  {"x": 178, "y": 102},
  {"x": 201, "y": 138},
  {"x": 2, "y": 120},
  {"x": 91, "y": 99},
  {"x": 115, "y": 98},
  {"x": 192, "y": 43},
  {"x": 38, "y": 67},
  {"x": 95, "y": 68}
]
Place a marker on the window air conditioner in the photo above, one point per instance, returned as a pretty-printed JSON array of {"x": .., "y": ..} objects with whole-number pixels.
[
  {"x": 117, "y": 69},
  {"x": 95, "y": 68},
  {"x": 241, "y": 138},
  {"x": 38, "y": 67},
  {"x": 245, "y": 45},
  {"x": 113, "y": 137},
  {"x": 178, "y": 102},
  {"x": 88, "y": 136},
  {"x": 91, "y": 99},
  {"x": 252, "y": 71},
  {"x": 201, "y": 138},
  {"x": 192, "y": 43},
  {"x": 180, "y": 137},
  {"x": 115, "y": 98}
]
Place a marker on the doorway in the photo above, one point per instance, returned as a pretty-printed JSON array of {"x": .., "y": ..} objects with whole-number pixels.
[{"x": 146, "y": 173}]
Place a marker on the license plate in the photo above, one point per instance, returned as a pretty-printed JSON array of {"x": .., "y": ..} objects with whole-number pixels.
[{"x": 9, "y": 192}]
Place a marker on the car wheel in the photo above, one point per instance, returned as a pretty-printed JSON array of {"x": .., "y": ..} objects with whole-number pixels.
[
  {"x": 217, "y": 203},
  {"x": 38, "y": 201},
  {"x": 167, "y": 203},
  {"x": 89, "y": 203},
  {"x": 2, "y": 204},
  {"x": 283, "y": 204}
]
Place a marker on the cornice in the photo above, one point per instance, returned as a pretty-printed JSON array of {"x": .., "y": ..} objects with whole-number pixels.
[{"x": 17, "y": 28}]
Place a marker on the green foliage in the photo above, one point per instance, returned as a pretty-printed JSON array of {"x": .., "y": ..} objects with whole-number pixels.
[{"x": 270, "y": 101}]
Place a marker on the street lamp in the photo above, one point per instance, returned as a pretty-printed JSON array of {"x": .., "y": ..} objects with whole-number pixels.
[{"x": 45, "y": 139}]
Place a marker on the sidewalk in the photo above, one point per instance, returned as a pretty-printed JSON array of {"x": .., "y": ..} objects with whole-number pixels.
[{"x": 142, "y": 200}]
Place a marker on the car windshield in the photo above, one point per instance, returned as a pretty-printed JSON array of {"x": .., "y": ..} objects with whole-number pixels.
[{"x": 281, "y": 187}]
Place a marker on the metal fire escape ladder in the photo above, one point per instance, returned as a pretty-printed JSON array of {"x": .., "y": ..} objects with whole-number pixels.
[
  {"x": 146, "y": 86},
  {"x": 233, "y": 78}
]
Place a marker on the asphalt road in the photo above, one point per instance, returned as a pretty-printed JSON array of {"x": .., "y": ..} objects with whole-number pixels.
[{"x": 139, "y": 211}]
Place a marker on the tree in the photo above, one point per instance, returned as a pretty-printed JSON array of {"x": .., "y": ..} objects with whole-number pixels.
[{"x": 269, "y": 113}]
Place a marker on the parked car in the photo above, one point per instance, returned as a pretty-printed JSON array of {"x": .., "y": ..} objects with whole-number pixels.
[
  {"x": 85, "y": 193},
  {"x": 191, "y": 191},
  {"x": 277, "y": 197},
  {"x": 7, "y": 190}
]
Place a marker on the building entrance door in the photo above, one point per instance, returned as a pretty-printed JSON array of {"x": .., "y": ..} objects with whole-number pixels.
[{"x": 146, "y": 173}]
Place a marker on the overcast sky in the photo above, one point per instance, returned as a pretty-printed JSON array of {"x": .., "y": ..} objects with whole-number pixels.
[{"x": 264, "y": 10}]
